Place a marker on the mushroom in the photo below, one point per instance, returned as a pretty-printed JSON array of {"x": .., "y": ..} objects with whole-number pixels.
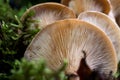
[
  {"x": 79, "y": 6},
  {"x": 77, "y": 42},
  {"x": 116, "y": 10},
  {"x": 47, "y": 13},
  {"x": 105, "y": 23}
]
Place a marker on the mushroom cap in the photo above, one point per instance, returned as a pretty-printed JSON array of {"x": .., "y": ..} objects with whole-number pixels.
[
  {"x": 79, "y": 6},
  {"x": 105, "y": 23},
  {"x": 67, "y": 39},
  {"x": 47, "y": 13}
]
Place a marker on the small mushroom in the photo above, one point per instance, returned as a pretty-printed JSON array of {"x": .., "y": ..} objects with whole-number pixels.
[
  {"x": 47, "y": 13},
  {"x": 116, "y": 10},
  {"x": 83, "y": 45},
  {"x": 79, "y": 6},
  {"x": 103, "y": 22}
]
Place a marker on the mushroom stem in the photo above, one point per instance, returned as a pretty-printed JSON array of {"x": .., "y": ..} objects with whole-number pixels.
[{"x": 84, "y": 71}]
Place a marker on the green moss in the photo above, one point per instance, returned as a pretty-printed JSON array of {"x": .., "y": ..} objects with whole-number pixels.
[
  {"x": 25, "y": 70},
  {"x": 13, "y": 40}
]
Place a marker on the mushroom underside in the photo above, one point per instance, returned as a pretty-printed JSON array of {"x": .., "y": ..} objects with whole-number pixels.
[
  {"x": 70, "y": 39},
  {"x": 46, "y": 13},
  {"x": 79, "y": 6},
  {"x": 103, "y": 22}
]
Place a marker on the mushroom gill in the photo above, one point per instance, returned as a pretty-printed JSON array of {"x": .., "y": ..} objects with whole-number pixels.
[
  {"x": 47, "y": 13},
  {"x": 77, "y": 42},
  {"x": 103, "y": 22},
  {"x": 79, "y": 6}
]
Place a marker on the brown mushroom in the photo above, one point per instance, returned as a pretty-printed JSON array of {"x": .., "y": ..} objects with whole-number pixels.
[
  {"x": 103, "y": 22},
  {"x": 47, "y": 13},
  {"x": 77, "y": 42},
  {"x": 79, "y": 6}
]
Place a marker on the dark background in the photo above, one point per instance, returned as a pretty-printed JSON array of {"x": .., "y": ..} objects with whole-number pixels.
[{"x": 20, "y": 3}]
